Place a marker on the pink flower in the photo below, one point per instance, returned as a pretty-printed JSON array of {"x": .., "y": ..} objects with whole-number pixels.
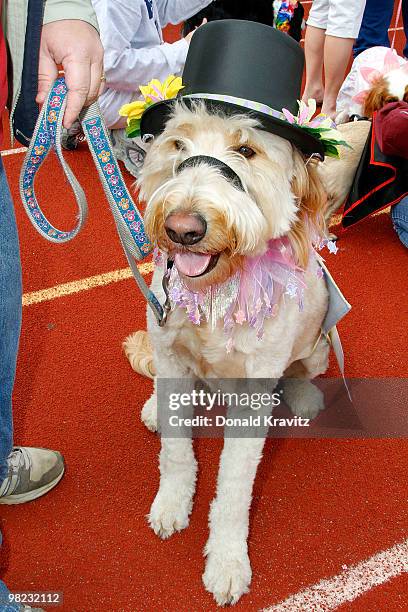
[
  {"x": 94, "y": 131},
  {"x": 130, "y": 215},
  {"x": 240, "y": 317},
  {"x": 109, "y": 168},
  {"x": 55, "y": 102}
]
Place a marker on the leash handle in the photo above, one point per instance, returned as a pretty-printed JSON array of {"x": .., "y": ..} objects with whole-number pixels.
[
  {"x": 47, "y": 136},
  {"x": 129, "y": 223}
]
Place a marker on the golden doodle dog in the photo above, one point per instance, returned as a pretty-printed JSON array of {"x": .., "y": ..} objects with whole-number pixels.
[
  {"x": 236, "y": 205},
  {"x": 210, "y": 228}
]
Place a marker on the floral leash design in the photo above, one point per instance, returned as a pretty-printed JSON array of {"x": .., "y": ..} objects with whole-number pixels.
[{"x": 129, "y": 223}]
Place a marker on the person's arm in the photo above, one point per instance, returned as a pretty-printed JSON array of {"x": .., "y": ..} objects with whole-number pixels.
[
  {"x": 175, "y": 11},
  {"x": 126, "y": 67},
  {"x": 70, "y": 38},
  {"x": 56, "y": 10}
]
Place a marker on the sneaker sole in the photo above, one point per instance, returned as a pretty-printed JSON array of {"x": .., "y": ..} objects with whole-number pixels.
[{"x": 12, "y": 500}]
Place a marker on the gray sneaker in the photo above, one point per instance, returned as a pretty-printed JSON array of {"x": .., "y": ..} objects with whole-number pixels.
[
  {"x": 32, "y": 472},
  {"x": 128, "y": 150}
]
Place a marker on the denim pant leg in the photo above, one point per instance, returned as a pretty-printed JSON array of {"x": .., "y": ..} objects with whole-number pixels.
[
  {"x": 399, "y": 216},
  {"x": 10, "y": 315},
  {"x": 6, "y": 607},
  {"x": 374, "y": 28},
  {"x": 10, "y": 322}
]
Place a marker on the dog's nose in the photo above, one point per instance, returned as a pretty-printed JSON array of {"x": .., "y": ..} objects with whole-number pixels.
[{"x": 186, "y": 229}]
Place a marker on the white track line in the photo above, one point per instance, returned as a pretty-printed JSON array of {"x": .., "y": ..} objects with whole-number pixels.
[
  {"x": 13, "y": 151},
  {"x": 84, "y": 284},
  {"x": 329, "y": 594}
]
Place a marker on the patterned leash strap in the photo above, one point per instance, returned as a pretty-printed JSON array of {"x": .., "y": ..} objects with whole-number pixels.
[{"x": 129, "y": 223}]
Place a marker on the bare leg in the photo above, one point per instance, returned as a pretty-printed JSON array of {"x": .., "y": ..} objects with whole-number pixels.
[
  {"x": 314, "y": 51},
  {"x": 337, "y": 53}
]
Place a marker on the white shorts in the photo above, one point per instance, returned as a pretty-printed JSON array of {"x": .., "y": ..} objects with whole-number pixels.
[{"x": 341, "y": 18}]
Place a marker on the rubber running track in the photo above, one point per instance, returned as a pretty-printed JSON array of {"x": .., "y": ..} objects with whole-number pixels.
[{"x": 318, "y": 506}]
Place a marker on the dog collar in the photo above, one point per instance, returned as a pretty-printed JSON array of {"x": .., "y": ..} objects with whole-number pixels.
[{"x": 226, "y": 171}]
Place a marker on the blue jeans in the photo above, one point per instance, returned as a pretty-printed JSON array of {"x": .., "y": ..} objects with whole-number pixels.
[
  {"x": 376, "y": 21},
  {"x": 10, "y": 323},
  {"x": 399, "y": 216}
]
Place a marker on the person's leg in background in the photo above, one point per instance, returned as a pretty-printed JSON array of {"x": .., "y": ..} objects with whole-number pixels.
[
  {"x": 337, "y": 52},
  {"x": 25, "y": 473},
  {"x": 343, "y": 25},
  {"x": 374, "y": 27},
  {"x": 314, "y": 50},
  {"x": 399, "y": 216},
  {"x": 10, "y": 317},
  {"x": 10, "y": 321}
]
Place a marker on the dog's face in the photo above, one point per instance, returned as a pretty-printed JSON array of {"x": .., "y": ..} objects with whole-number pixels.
[
  {"x": 389, "y": 88},
  {"x": 198, "y": 216}
]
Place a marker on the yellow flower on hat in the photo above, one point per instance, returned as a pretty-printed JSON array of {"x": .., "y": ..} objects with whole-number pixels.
[
  {"x": 134, "y": 110},
  {"x": 154, "y": 91}
]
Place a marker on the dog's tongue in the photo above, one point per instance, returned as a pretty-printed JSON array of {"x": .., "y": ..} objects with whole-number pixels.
[{"x": 192, "y": 264}]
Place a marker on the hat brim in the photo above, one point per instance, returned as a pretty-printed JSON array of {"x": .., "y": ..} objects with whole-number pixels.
[{"x": 156, "y": 116}]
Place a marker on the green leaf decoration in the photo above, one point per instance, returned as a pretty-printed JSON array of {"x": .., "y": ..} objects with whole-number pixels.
[{"x": 133, "y": 129}]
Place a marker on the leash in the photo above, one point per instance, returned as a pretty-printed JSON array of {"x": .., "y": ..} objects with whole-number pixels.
[{"x": 128, "y": 221}]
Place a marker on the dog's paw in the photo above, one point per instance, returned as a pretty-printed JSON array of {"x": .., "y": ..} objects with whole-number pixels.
[
  {"x": 169, "y": 513},
  {"x": 227, "y": 576},
  {"x": 149, "y": 413},
  {"x": 303, "y": 398}
]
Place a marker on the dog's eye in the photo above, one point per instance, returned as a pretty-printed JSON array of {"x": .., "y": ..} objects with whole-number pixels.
[
  {"x": 179, "y": 145},
  {"x": 246, "y": 151}
]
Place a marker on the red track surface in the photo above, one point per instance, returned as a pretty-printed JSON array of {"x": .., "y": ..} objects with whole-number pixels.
[{"x": 317, "y": 504}]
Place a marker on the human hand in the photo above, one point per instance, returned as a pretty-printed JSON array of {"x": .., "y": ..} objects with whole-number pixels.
[
  {"x": 75, "y": 45},
  {"x": 190, "y": 36}
]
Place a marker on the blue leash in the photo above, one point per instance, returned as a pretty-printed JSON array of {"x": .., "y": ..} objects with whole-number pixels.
[{"x": 129, "y": 223}]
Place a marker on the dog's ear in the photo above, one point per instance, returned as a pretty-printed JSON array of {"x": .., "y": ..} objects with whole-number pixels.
[
  {"x": 312, "y": 199},
  {"x": 377, "y": 97}
]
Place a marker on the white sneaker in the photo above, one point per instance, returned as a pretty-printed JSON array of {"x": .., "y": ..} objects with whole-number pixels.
[{"x": 32, "y": 472}]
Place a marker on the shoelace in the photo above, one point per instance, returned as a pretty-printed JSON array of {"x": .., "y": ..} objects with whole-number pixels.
[{"x": 16, "y": 461}]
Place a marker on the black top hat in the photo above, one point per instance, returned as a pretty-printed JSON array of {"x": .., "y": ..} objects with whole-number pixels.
[{"x": 242, "y": 66}]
